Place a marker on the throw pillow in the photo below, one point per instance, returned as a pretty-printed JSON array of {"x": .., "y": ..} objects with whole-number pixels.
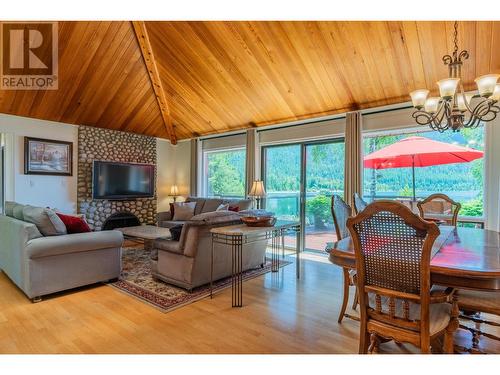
[
  {"x": 223, "y": 207},
  {"x": 47, "y": 221},
  {"x": 17, "y": 211},
  {"x": 74, "y": 224},
  {"x": 183, "y": 210},
  {"x": 171, "y": 211},
  {"x": 233, "y": 208},
  {"x": 176, "y": 231}
]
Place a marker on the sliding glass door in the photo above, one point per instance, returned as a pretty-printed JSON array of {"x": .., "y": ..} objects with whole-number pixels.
[
  {"x": 324, "y": 176},
  {"x": 300, "y": 179}
]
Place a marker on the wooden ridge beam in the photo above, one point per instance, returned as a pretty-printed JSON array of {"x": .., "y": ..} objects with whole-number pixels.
[{"x": 149, "y": 59}]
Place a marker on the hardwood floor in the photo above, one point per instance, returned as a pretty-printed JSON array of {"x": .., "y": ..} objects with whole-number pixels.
[{"x": 280, "y": 315}]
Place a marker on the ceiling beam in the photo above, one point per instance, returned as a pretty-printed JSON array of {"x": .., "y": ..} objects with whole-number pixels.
[{"x": 149, "y": 59}]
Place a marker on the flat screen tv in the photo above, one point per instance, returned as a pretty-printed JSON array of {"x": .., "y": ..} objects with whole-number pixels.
[{"x": 116, "y": 181}]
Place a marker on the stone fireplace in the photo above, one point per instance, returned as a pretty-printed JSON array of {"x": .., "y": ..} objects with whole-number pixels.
[
  {"x": 120, "y": 220},
  {"x": 111, "y": 145}
]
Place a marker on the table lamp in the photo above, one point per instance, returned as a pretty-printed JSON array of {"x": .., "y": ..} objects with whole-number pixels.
[
  {"x": 257, "y": 191},
  {"x": 174, "y": 192}
]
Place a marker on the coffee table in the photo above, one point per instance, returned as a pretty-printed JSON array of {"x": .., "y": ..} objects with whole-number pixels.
[{"x": 147, "y": 233}]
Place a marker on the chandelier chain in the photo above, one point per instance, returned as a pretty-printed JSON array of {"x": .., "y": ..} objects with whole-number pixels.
[{"x": 455, "y": 38}]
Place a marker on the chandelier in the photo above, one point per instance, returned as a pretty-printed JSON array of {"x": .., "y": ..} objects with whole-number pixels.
[{"x": 453, "y": 109}]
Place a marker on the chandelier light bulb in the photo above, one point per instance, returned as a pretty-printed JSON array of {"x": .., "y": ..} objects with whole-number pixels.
[
  {"x": 486, "y": 84},
  {"x": 432, "y": 104},
  {"x": 496, "y": 93},
  {"x": 448, "y": 87},
  {"x": 463, "y": 100},
  {"x": 418, "y": 98}
]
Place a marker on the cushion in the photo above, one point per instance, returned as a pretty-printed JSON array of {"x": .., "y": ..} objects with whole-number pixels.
[
  {"x": 223, "y": 207},
  {"x": 74, "y": 224},
  {"x": 176, "y": 232},
  {"x": 171, "y": 210},
  {"x": 211, "y": 205},
  {"x": 47, "y": 221},
  {"x": 439, "y": 313},
  {"x": 184, "y": 210},
  {"x": 200, "y": 202},
  {"x": 17, "y": 211},
  {"x": 9, "y": 206},
  {"x": 233, "y": 208}
]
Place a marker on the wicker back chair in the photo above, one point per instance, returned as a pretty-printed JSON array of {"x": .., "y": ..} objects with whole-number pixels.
[
  {"x": 439, "y": 207},
  {"x": 393, "y": 253},
  {"x": 359, "y": 203},
  {"x": 341, "y": 211}
]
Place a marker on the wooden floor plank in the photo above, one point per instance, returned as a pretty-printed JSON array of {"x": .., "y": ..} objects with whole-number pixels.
[{"x": 280, "y": 315}]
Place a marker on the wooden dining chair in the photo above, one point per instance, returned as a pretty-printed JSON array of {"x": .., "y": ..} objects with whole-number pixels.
[
  {"x": 472, "y": 303},
  {"x": 340, "y": 212},
  {"x": 359, "y": 203},
  {"x": 439, "y": 207},
  {"x": 393, "y": 253}
]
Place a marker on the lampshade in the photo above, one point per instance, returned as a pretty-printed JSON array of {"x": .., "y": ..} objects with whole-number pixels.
[
  {"x": 447, "y": 87},
  {"x": 486, "y": 84},
  {"x": 418, "y": 98},
  {"x": 432, "y": 104},
  {"x": 257, "y": 189},
  {"x": 496, "y": 93},
  {"x": 461, "y": 103},
  {"x": 174, "y": 190}
]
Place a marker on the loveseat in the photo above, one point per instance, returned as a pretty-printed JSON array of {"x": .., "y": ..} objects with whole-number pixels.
[
  {"x": 41, "y": 265},
  {"x": 203, "y": 205},
  {"x": 187, "y": 262}
]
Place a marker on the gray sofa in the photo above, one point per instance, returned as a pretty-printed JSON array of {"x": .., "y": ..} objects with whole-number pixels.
[
  {"x": 203, "y": 205},
  {"x": 41, "y": 265},
  {"x": 186, "y": 263}
]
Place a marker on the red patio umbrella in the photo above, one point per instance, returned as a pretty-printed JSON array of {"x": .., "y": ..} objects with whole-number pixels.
[{"x": 419, "y": 152}]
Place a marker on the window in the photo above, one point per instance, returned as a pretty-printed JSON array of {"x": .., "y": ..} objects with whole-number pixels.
[
  {"x": 463, "y": 182},
  {"x": 224, "y": 173}
]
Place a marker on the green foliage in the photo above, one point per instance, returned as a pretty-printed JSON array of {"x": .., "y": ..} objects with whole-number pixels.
[
  {"x": 473, "y": 207},
  {"x": 226, "y": 173},
  {"x": 407, "y": 191},
  {"x": 319, "y": 207}
]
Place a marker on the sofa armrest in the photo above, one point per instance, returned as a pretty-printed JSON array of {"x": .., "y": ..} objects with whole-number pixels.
[
  {"x": 169, "y": 246},
  {"x": 73, "y": 243},
  {"x": 163, "y": 216}
]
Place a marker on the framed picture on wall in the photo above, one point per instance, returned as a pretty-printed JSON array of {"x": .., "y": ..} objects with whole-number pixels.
[{"x": 48, "y": 157}]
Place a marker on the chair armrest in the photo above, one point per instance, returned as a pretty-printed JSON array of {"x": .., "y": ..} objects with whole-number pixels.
[
  {"x": 163, "y": 216},
  {"x": 440, "y": 294},
  {"x": 73, "y": 243}
]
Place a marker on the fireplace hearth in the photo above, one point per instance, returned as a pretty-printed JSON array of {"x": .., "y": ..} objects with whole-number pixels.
[{"x": 121, "y": 220}]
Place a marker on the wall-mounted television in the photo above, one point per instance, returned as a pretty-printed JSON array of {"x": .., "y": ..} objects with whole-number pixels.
[{"x": 116, "y": 181}]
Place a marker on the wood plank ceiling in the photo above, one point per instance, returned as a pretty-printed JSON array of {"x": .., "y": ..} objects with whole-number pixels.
[{"x": 223, "y": 76}]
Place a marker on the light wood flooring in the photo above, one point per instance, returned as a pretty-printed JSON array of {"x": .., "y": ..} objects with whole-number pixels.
[{"x": 280, "y": 315}]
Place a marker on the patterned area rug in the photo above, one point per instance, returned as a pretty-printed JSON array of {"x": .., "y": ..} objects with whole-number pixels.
[{"x": 136, "y": 279}]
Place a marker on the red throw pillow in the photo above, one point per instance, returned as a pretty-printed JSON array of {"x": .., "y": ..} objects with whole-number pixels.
[
  {"x": 171, "y": 211},
  {"x": 74, "y": 224},
  {"x": 233, "y": 208}
]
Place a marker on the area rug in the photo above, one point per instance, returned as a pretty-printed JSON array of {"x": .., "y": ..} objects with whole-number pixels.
[{"x": 136, "y": 280}]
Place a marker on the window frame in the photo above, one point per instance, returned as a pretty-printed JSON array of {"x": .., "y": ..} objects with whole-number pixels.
[{"x": 204, "y": 176}]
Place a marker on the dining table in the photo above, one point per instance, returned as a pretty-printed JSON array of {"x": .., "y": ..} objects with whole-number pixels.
[{"x": 465, "y": 258}]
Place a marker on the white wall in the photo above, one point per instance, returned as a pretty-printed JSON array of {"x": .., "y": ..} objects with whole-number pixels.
[
  {"x": 173, "y": 167},
  {"x": 53, "y": 191}
]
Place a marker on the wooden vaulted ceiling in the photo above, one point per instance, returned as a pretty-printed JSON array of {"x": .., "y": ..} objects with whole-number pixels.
[{"x": 222, "y": 76}]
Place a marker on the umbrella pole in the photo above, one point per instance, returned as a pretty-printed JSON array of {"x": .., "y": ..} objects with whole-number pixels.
[{"x": 413, "y": 174}]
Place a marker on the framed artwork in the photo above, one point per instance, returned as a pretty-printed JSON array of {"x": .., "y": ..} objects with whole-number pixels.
[{"x": 48, "y": 157}]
